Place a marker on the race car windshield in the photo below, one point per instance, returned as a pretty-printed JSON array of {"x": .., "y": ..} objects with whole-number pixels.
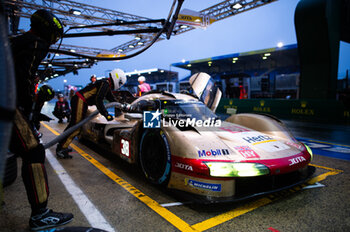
[{"x": 186, "y": 109}]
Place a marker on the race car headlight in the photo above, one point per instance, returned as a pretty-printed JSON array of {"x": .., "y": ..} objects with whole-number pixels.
[
  {"x": 310, "y": 151},
  {"x": 223, "y": 169}
]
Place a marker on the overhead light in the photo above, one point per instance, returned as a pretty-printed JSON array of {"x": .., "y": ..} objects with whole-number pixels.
[
  {"x": 197, "y": 20},
  {"x": 267, "y": 54},
  {"x": 57, "y": 54},
  {"x": 149, "y": 72},
  {"x": 280, "y": 44},
  {"x": 56, "y": 75},
  {"x": 233, "y": 61},
  {"x": 50, "y": 65},
  {"x": 120, "y": 50},
  {"x": 65, "y": 81},
  {"x": 137, "y": 37},
  {"x": 264, "y": 58},
  {"x": 161, "y": 71},
  {"x": 72, "y": 50},
  {"x": 236, "y": 58},
  {"x": 183, "y": 60},
  {"x": 237, "y": 6},
  {"x": 75, "y": 11},
  {"x": 140, "y": 43},
  {"x": 209, "y": 63},
  {"x": 183, "y": 26},
  {"x": 141, "y": 71},
  {"x": 131, "y": 46},
  {"x": 189, "y": 65}
]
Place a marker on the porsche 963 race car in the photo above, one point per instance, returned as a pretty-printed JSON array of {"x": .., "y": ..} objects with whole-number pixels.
[{"x": 181, "y": 143}]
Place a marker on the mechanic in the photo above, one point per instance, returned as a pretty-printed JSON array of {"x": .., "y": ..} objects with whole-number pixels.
[
  {"x": 88, "y": 96},
  {"x": 44, "y": 94},
  {"x": 93, "y": 79},
  {"x": 28, "y": 51},
  {"x": 62, "y": 109},
  {"x": 143, "y": 87}
]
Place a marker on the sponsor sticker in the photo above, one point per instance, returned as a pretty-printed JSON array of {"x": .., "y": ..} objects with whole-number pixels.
[
  {"x": 257, "y": 138},
  {"x": 213, "y": 152},
  {"x": 272, "y": 146},
  {"x": 125, "y": 147},
  {"x": 296, "y": 145},
  {"x": 184, "y": 166},
  {"x": 296, "y": 160},
  {"x": 247, "y": 152},
  {"x": 234, "y": 129},
  {"x": 206, "y": 186}
]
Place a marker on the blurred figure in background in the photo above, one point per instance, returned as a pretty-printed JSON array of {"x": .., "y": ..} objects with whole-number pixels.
[
  {"x": 62, "y": 109},
  {"x": 143, "y": 87}
]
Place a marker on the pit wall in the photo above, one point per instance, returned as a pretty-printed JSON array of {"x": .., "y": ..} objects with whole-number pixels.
[{"x": 307, "y": 110}]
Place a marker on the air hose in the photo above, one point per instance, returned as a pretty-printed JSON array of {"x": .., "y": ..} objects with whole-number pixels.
[{"x": 124, "y": 107}]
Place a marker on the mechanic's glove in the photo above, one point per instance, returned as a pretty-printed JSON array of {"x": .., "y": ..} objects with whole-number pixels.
[
  {"x": 109, "y": 117},
  {"x": 126, "y": 107}
]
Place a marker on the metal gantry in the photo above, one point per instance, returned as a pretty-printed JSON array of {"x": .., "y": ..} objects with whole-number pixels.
[{"x": 75, "y": 15}]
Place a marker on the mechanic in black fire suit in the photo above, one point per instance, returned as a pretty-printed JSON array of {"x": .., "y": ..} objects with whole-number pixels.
[
  {"x": 93, "y": 94},
  {"x": 28, "y": 51},
  {"x": 62, "y": 109}
]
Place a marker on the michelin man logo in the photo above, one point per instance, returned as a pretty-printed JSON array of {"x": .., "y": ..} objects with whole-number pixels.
[{"x": 151, "y": 119}]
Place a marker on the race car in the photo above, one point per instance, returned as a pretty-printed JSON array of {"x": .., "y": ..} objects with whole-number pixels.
[{"x": 182, "y": 144}]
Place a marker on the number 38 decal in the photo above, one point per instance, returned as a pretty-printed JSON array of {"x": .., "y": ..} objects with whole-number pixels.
[{"x": 125, "y": 147}]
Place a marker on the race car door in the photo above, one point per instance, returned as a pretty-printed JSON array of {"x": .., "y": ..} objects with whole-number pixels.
[{"x": 205, "y": 89}]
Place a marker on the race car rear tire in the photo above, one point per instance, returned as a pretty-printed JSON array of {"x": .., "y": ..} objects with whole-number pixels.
[{"x": 155, "y": 156}]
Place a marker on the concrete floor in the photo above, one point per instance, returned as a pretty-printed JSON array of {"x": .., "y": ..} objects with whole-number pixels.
[{"x": 128, "y": 203}]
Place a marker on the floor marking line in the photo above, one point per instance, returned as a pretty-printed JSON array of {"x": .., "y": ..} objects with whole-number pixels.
[
  {"x": 172, "y": 204},
  {"x": 91, "y": 213},
  {"x": 322, "y": 177},
  {"x": 219, "y": 219},
  {"x": 327, "y": 168},
  {"x": 50, "y": 129},
  {"x": 155, "y": 206},
  {"x": 316, "y": 185},
  {"x": 317, "y": 141}
]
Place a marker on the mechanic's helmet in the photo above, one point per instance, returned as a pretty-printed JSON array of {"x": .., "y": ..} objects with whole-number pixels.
[
  {"x": 47, "y": 25},
  {"x": 46, "y": 93},
  {"x": 141, "y": 79},
  {"x": 92, "y": 76},
  {"x": 118, "y": 78}
]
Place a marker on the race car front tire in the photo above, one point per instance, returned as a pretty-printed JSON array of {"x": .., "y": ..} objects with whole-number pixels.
[{"x": 155, "y": 156}]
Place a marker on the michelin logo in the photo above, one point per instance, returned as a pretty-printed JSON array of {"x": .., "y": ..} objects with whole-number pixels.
[
  {"x": 151, "y": 119},
  {"x": 206, "y": 186}
]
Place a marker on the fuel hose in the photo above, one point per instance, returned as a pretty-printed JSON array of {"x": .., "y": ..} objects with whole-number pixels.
[{"x": 82, "y": 122}]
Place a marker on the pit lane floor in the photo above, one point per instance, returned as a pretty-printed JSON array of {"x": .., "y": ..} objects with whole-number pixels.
[{"x": 105, "y": 187}]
